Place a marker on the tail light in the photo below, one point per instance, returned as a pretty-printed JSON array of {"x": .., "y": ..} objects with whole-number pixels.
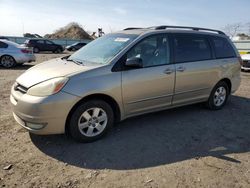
[
  {"x": 240, "y": 60},
  {"x": 25, "y": 51}
]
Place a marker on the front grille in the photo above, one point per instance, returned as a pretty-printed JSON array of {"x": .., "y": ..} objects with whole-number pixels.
[
  {"x": 19, "y": 87},
  {"x": 246, "y": 63}
]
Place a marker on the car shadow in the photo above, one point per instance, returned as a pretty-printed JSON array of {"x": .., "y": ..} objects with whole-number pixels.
[
  {"x": 49, "y": 52},
  {"x": 19, "y": 67},
  {"x": 160, "y": 138}
]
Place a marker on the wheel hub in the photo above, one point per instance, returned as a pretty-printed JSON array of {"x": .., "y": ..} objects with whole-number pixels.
[{"x": 92, "y": 122}]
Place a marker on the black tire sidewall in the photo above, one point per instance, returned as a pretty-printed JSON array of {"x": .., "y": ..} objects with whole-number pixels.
[
  {"x": 73, "y": 123},
  {"x": 57, "y": 51},
  {"x": 210, "y": 102}
]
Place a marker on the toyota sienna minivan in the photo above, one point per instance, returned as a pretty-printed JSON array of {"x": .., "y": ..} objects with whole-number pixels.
[{"x": 125, "y": 74}]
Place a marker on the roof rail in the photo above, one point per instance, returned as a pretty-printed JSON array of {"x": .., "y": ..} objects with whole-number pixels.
[
  {"x": 184, "y": 27},
  {"x": 132, "y": 28}
]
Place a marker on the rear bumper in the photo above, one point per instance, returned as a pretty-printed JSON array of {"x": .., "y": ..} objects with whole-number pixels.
[
  {"x": 23, "y": 58},
  {"x": 47, "y": 115}
]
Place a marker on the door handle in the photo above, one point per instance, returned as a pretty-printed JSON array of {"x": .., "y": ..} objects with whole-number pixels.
[
  {"x": 168, "y": 71},
  {"x": 181, "y": 69}
]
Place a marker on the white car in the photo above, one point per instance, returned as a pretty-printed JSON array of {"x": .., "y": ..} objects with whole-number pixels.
[
  {"x": 12, "y": 54},
  {"x": 246, "y": 62}
]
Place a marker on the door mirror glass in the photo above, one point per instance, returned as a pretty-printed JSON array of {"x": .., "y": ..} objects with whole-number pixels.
[{"x": 135, "y": 62}]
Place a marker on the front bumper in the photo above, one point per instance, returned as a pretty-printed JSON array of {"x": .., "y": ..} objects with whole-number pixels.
[
  {"x": 50, "y": 111},
  {"x": 245, "y": 68},
  {"x": 245, "y": 65}
]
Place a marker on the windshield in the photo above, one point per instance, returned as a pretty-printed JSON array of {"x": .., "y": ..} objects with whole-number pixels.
[{"x": 103, "y": 49}]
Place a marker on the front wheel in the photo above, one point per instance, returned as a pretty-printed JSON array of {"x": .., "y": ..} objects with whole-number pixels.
[
  {"x": 218, "y": 96},
  {"x": 91, "y": 120}
]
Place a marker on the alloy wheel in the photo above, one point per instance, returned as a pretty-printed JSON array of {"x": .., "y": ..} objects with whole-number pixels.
[
  {"x": 7, "y": 61},
  {"x": 220, "y": 96},
  {"x": 92, "y": 122}
]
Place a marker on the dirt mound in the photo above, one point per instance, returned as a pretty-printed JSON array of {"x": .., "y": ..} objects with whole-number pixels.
[{"x": 70, "y": 31}]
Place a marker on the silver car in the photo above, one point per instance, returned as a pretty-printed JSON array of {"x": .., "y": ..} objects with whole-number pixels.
[
  {"x": 246, "y": 62},
  {"x": 125, "y": 74},
  {"x": 12, "y": 54}
]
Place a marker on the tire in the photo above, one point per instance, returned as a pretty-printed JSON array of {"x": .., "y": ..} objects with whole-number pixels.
[
  {"x": 73, "y": 49},
  {"x": 219, "y": 96},
  {"x": 36, "y": 50},
  {"x": 7, "y": 61},
  {"x": 58, "y": 50},
  {"x": 87, "y": 117}
]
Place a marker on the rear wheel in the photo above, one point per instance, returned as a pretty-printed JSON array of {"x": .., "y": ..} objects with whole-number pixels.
[
  {"x": 36, "y": 50},
  {"x": 91, "y": 120},
  {"x": 218, "y": 96},
  {"x": 58, "y": 50},
  {"x": 7, "y": 61}
]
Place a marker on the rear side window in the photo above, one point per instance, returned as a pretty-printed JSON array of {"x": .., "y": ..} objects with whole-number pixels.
[
  {"x": 3, "y": 45},
  {"x": 223, "y": 48},
  {"x": 191, "y": 48}
]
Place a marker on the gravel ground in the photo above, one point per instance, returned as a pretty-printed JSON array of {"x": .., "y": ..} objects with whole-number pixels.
[{"x": 184, "y": 147}]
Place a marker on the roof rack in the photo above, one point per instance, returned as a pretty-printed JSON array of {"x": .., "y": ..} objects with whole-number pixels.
[
  {"x": 132, "y": 28},
  {"x": 184, "y": 27}
]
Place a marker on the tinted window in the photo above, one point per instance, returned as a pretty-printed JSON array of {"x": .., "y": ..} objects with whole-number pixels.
[
  {"x": 152, "y": 50},
  {"x": 49, "y": 42},
  {"x": 3, "y": 45},
  {"x": 222, "y": 47},
  {"x": 191, "y": 48},
  {"x": 40, "y": 41}
]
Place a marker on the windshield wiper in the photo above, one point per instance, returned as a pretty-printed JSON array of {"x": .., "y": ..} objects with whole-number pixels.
[{"x": 74, "y": 61}]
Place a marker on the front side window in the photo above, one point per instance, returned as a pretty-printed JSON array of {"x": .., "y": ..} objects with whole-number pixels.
[
  {"x": 190, "y": 48},
  {"x": 153, "y": 51},
  {"x": 40, "y": 42},
  {"x": 49, "y": 42},
  {"x": 222, "y": 47},
  {"x": 103, "y": 49}
]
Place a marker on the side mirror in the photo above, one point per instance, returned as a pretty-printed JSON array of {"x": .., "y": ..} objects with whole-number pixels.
[{"x": 135, "y": 62}]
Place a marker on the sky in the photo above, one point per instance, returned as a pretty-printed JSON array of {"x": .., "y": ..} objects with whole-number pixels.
[{"x": 45, "y": 16}]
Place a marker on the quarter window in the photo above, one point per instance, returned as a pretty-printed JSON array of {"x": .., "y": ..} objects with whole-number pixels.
[
  {"x": 222, "y": 47},
  {"x": 153, "y": 51},
  {"x": 191, "y": 48}
]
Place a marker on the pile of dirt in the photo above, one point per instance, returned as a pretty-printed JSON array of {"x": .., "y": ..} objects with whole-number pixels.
[{"x": 70, "y": 31}]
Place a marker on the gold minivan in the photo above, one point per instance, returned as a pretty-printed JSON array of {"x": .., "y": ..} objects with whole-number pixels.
[{"x": 124, "y": 74}]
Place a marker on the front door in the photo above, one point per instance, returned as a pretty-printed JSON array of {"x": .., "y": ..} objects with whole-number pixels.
[
  {"x": 151, "y": 87},
  {"x": 49, "y": 46}
]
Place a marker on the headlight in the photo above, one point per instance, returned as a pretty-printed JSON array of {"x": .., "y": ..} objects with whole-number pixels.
[{"x": 48, "y": 87}]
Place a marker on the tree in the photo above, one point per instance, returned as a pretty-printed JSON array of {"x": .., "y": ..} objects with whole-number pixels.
[{"x": 232, "y": 29}]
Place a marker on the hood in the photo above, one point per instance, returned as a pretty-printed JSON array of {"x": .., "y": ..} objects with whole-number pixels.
[
  {"x": 51, "y": 69},
  {"x": 246, "y": 57}
]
